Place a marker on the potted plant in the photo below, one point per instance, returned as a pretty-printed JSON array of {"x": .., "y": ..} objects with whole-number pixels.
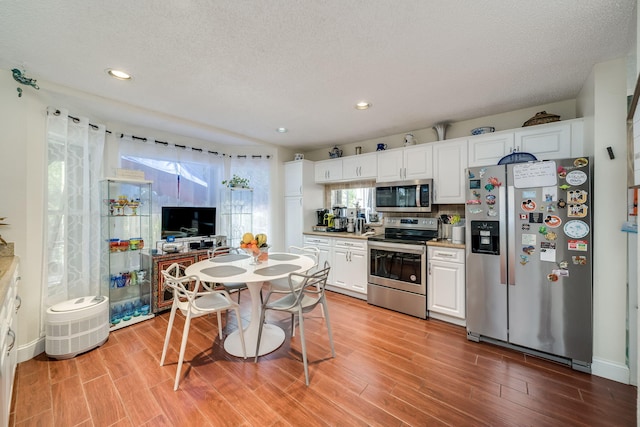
[
  {"x": 2, "y": 241},
  {"x": 236, "y": 181}
]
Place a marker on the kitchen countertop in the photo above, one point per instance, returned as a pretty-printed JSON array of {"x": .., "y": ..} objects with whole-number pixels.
[
  {"x": 8, "y": 265},
  {"x": 343, "y": 235},
  {"x": 445, "y": 244}
]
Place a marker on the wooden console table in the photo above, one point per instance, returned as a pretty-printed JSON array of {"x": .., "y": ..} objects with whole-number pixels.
[{"x": 161, "y": 300}]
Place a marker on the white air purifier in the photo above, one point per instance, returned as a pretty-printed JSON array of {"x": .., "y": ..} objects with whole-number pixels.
[{"x": 76, "y": 326}]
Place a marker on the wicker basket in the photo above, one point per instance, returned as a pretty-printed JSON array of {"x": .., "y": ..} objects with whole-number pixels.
[{"x": 541, "y": 118}]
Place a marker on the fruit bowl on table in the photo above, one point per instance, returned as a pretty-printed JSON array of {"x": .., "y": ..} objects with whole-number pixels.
[{"x": 258, "y": 254}]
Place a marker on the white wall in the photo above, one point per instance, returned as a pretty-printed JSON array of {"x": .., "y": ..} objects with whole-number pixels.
[
  {"x": 22, "y": 121},
  {"x": 509, "y": 120},
  {"x": 602, "y": 101}
]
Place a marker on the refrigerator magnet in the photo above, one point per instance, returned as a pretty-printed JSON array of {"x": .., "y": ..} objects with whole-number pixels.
[
  {"x": 529, "y": 250},
  {"x": 580, "y": 162},
  {"x": 528, "y": 205},
  {"x": 550, "y": 193},
  {"x": 564, "y": 187},
  {"x": 579, "y": 260},
  {"x": 576, "y": 178},
  {"x": 551, "y": 236},
  {"x": 528, "y": 239},
  {"x": 577, "y": 245},
  {"x": 529, "y": 194},
  {"x": 536, "y": 217},
  {"x": 524, "y": 217},
  {"x": 525, "y": 227},
  {"x": 576, "y": 229},
  {"x": 524, "y": 259},
  {"x": 577, "y": 211},
  {"x": 578, "y": 196},
  {"x": 553, "y": 277},
  {"x": 548, "y": 252},
  {"x": 552, "y": 221}
]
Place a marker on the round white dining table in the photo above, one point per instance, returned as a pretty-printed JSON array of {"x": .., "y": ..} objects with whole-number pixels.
[{"x": 234, "y": 268}]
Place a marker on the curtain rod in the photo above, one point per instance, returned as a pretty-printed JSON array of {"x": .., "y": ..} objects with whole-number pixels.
[{"x": 166, "y": 144}]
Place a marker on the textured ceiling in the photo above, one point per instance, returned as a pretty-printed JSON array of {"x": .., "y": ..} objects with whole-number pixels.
[{"x": 233, "y": 71}]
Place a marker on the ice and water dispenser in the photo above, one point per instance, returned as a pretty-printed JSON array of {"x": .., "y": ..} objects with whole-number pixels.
[{"x": 485, "y": 237}]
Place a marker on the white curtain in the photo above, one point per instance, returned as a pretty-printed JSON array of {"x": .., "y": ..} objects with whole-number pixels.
[
  {"x": 257, "y": 170},
  {"x": 74, "y": 161}
]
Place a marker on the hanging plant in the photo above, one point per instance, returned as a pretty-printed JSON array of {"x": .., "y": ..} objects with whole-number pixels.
[{"x": 236, "y": 182}]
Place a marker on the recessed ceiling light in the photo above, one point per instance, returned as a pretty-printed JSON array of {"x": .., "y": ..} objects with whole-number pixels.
[
  {"x": 282, "y": 130},
  {"x": 363, "y": 105},
  {"x": 118, "y": 74}
]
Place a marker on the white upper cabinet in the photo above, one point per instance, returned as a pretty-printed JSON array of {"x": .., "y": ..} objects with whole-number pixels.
[
  {"x": 488, "y": 149},
  {"x": 550, "y": 142},
  {"x": 295, "y": 173},
  {"x": 390, "y": 165},
  {"x": 415, "y": 162},
  {"x": 449, "y": 164},
  {"x": 329, "y": 170},
  {"x": 418, "y": 161},
  {"x": 362, "y": 166},
  {"x": 555, "y": 140}
]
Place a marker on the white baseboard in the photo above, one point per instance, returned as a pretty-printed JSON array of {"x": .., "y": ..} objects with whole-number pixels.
[
  {"x": 610, "y": 370},
  {"x": 31, "y": 350}
]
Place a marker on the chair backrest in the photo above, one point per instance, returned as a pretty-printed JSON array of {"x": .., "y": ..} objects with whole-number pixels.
[
  {"x": 310, "y": 285},
  {"x": 175, "y": 270},
  {"x": 182, "y": 295},
  {"x": 308, "y": 251},
  {"x": 221, "y": 250}
]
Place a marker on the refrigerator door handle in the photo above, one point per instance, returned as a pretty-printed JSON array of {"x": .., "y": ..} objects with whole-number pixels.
[{"x": 511, "y": 243}]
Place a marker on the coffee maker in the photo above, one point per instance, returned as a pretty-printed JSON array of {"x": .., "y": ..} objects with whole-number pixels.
[{"x": 321, "y": 216}]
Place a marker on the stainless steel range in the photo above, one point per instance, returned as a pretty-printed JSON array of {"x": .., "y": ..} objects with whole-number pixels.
[{"x": 397, "y": 265}]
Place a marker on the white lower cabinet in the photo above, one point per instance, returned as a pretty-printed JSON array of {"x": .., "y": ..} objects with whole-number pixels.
[
  {"x": 348, "y": 260},
  {"x": 324, "y": 244},
  {"x": 8, "y": 348},
  {"x": 350, "y": 264},
  {"x": 446, "y": 284}
]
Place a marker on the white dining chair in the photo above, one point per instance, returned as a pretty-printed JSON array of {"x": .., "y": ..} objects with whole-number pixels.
[
  {"x": 229, "y": 287},
  {"x": 282, "y": 285},
  {"x": 194, "y": 299},
  {"x": 306, "y": 291}
]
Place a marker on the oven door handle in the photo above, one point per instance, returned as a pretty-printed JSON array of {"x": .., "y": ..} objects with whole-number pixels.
[{"x": 399, "y": 247}]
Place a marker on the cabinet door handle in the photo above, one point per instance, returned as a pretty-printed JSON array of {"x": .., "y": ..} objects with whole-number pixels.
[
  {"x": 13, "y": 340},
  {"x": 429, "y": 270},
  {"x": 19, "y": 300}
]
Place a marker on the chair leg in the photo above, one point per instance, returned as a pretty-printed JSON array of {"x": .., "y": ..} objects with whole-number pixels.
[
  {"x": 326, "y": 320},
  {"x": 219, "y": 324},
  {"x": 168, "y": 334},
  {"x": 183, "y": 346},
  {"x": 262, "y": 316},
  {"x": 240, "y": 331},
  {"x": 293, "y": 325},
  {"x": 304, "y": 347}
]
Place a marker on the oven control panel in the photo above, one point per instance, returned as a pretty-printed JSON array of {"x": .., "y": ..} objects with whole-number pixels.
[{"x": 411, "y": 222}]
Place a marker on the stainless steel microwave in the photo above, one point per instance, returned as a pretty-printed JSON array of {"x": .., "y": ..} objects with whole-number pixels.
[{"x": 404, "y": 196}]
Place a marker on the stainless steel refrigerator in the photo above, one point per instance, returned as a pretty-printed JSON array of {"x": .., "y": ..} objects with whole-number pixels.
[{"x": 529, "y": 259}]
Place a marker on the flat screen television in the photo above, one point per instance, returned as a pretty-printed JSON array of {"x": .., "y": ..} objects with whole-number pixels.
[{"x": 185, "y": 221}]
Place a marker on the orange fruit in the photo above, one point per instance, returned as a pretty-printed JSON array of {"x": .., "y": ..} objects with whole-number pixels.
[{"x": 254, "y": 242}]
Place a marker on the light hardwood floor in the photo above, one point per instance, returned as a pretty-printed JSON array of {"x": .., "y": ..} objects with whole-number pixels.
[{"x": 390, "y": 370}]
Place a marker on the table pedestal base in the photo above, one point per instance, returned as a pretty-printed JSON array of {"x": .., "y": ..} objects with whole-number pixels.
[
  {"x": 272, "y": 335},
  {"x": 272, "y": 338}
]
